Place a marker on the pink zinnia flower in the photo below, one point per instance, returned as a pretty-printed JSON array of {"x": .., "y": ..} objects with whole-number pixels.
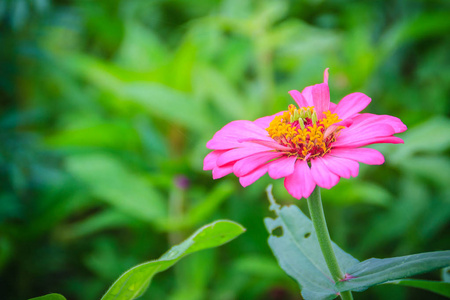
[{"x": 315, "y": 144}]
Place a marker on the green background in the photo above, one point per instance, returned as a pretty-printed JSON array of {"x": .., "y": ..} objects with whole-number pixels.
[{"x": 107, "y": 106}]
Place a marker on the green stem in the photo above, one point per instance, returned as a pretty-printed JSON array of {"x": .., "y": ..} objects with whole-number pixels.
[{"x": 320, "y": 225}]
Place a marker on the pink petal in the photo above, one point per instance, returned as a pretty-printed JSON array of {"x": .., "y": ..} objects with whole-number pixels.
[
  {"x": 228, "y": 136},
  {"x": 253, "y": 176},
  {"x": 271, "y": 144},
  {"x": 210, "y": 161},
  {"x": 246, "y": 165},
  {"x": 321, "y": 175},
  {"x": 282, "y": 167},
  {"x": 239, "y": 153},
  {"x": 341, "y": 166},
  {"x": 366, "y": 135},
  {"x": 264, "y": 122},
  {"x": 298, "y": 97},
  {"x": 367, "y": 119},
  {"x": 325, "y": 76},
  {"x": 351, "y": 105},
  {"x": 221, "y": 171},
  {"x": 345, "y": 123},
  {"x": 350, "y": 135},
  {"x": 300, "y": 183},
  {"x": 321, "y": 99},
  {"x": 375, "y": 140},
  {"x": 332, "y": 106},
  {"x": 332, "y": 127},
  {"x": 307, "y": 95},
  {"x": 365, "y": 155}
]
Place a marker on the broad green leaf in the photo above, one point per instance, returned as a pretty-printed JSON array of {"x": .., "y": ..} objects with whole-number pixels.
[
  {"x": 438, "y": 287},
  {"x": 376, "y": 271},
  {"x": 49, "y": 297},
  {"x": 135, "y": 281},
  {"x": 298, "y": 252}
]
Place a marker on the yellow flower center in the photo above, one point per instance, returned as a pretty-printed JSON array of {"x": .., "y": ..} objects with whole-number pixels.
[{"x": 300, "y": 130}]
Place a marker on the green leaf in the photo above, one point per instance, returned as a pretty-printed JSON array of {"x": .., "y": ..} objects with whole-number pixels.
[
  {"x": 49, "y": 297},
  {"x": 376, "y": 271},
  {"x": 135, "y": 281},
  {"x": 438, "y": 287},
  {"x": 298, "y": 252},
  {"x": 299, "y": 255}
]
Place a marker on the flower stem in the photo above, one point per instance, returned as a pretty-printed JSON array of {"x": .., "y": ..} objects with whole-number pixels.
[{"x": 320, "y": 225}]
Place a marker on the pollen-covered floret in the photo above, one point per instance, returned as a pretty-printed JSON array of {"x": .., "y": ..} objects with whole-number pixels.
[{"x": 300, "y": 130}]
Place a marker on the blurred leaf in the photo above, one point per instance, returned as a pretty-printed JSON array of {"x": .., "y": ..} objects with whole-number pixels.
[
  {"x": 433, "y": 168},
  {"x": 167, "y": 103},
  {"x": 423, "y": 26},
  {"x": 19, "y": 13},
  {"x": 96, "y": 134},
  {"x": 110, "y": 181},
  {"x": 141, "y": 50},
  {"x": 205, "y": 208},
  {"x": 135, "y": 281},
  {"x": 438, "y": 287},
  {"x": 182, "y": 64},
  {"x": 357, "y": 191},
  {"x": 105, "y": 260},
  {"x": 158, "y": 99},
  {"x": 55, "y": 209},
  {"x": 375, "y": 271},
  {"x": 222, "y": 93},
  {"x": 436, "y": 217},
  {"x": 193, "y": 276},
  {"x": 5, "y": 251},
  {"x": 49, "y": 297},
  {"x": 152, "y": 140},
  {"x": 298, "y": 252},
  {"x": 400, "y": 216},
  {"x": 104, "y": 220},
  {"x": 446, "y": 274},
  {"x": 258, "y": 266},
  {"x": 432, "y": 136}
]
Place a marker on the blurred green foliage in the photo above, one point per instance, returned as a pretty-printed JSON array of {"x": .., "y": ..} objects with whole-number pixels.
[{"x": 107, "y": 106}]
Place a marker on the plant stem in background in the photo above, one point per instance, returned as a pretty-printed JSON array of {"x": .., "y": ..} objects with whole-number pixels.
[{"x": 320, "y": 225}]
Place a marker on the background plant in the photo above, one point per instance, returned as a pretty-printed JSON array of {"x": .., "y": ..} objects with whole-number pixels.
[{"x": 107, "y": 106}]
